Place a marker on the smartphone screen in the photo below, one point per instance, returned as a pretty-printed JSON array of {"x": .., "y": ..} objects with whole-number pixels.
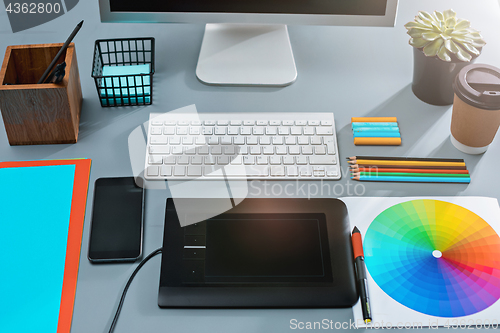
[{"x": 117, "y": 220}]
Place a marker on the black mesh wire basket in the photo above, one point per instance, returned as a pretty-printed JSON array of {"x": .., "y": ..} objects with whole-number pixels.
[{"x": 123, "y": 71}]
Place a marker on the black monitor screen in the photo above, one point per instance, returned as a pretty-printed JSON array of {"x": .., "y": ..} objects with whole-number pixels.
[
  {"x": 322, "y": 7},
  {"x": 267, "y": 246}
]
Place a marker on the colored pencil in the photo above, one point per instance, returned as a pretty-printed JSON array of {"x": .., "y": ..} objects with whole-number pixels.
[
  {"x": 413, "y": 179},
  {"x": 372, "y": 124},
  {"x": 394, "y": 166},
  {"x": 373, "y": 119},
  {"x": 376, "y": 135},
  {"x": 377, "y": 141},
  {"x": 407, "y": 163},
  {"x": 409, "y": 170},
  {"x": 409, "y": 174},
  {"x": 387, "y": 158},
  {"x": 376, "y": 129}
]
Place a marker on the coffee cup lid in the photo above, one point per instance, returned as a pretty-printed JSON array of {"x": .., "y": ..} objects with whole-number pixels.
[{"x": 479, "y": 85}]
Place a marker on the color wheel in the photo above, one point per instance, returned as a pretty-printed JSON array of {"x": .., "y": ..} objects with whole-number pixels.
[{"x": 434, "y": 257}]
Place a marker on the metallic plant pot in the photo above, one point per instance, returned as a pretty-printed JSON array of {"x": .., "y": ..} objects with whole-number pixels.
[{"x": 433, "y": 78}]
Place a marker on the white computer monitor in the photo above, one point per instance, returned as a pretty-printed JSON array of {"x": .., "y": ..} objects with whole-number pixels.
[{"x": 246, "y": 41}]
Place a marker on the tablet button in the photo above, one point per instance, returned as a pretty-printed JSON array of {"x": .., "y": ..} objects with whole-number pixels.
[
  {"x": 194, "y": 254},
  {"x": 194, "y": 240},
  {"x": 193, "y": 270},
  {"x": 195, "y": 229}
]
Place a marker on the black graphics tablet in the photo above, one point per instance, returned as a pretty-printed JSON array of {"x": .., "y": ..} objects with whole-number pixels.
[{"x": 262, "y": 253}]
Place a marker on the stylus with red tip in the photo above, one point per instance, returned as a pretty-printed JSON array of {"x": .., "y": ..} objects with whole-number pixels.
[{"x": 361, "y": 281}]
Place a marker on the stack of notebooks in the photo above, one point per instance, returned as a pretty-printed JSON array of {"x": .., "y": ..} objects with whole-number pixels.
[
  {"x": 408, "y": 169},
  {"x": 375, "y": 131}
]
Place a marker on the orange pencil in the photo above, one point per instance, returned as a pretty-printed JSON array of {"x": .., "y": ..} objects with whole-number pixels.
[
  {"x": 374, "y": 119},
  {"x": 363, "y": 169},
  {"x": 377, "y": 141}
]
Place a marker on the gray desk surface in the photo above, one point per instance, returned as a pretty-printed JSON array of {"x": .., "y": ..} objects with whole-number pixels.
[{"x": 351, "y": 71}]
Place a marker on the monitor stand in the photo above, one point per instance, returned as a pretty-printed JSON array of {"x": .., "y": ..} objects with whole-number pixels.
[{"x": 246, "y": 55}]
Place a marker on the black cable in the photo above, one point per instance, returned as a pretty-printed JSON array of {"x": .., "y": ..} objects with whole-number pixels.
[{"x": 151, "y": 255}]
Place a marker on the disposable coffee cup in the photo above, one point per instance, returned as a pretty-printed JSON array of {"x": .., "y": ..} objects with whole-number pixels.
[{"x": 476, "y": 108}]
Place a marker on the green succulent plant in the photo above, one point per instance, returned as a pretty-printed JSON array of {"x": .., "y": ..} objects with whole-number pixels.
[{"x": 443, "y": 35}]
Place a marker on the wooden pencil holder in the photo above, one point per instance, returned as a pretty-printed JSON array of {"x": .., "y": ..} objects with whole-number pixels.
[{"x": 39, "y": 113}]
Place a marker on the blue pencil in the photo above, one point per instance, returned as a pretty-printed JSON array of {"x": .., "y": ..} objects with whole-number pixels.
[
  {"x": 413, "y": 179},
  {"x": 380, "y": 134},
  {"x": 391, "y": 124},
  {"x": 377, "y": 129}
]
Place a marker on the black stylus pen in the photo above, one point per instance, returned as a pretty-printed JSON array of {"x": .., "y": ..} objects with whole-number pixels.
[
  {"x": 361, "y": 281},
  {"x": 58, "y": 55}
]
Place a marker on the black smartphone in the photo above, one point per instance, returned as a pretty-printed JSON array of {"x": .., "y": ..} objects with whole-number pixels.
[{"x": 117, "y": 221}]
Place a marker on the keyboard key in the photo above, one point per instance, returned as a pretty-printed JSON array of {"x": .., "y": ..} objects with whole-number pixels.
[
  {"x": 248, "y": 122},
  {"x": 301, "y": 122},
  {"x": 292, "y": 171},
  {"x": 308, "y": 131},
  {"x": 320, "y": 150},
  {"x": 158, "y": 140},
  {"x": 303, "y": 140},
  {"x": 209, "y": 122},
  {"x": 183, "y": 160},
  {"x": 169, "y": 130},
  {"x": 239, "y": 140},
  {"x": 166, "y": 170},
  {"x": 177, "y": 150},
  {"x": 155, "y": 130},
  {"x": 169, "y": 159},
  {"x": 288, "y": 122},
  {"x": 274, "y": 122},
  {"x": 187, "y": 140},
  {"x": 288, "y": 160},
  {"x": 196, "y": 160},
  {"x": 213, "y": 140},
  {"x": 326, "y": 123},
  {"x": 203, "y": 150},
  {"x": 332, "y": 171},
  {"x": 271, "y": 130},
  {"x": 216, "y": 150},
  {"x": 229, "y": 150},
  {"x": 251, "y": 140},
  {"x": 313, "y": 122},
  {"x": 301, "y": 160},
  {"x": 226, "y": 140},
  {"x": 316, "y": 140},
  {"x": 182, "y": 130},
  {"x": 262, "y": 160},
  {"x": 209, "y": 160},
  {"x": 330, "y": 148},
  {"x": 207, "y": 131},
  {"x": 323, "y": 160},
  {"x": 183, "y": 123},
  {"x": 255, "y": 150},
  {"x": 281, "y": 150},
  {"x": 170, "y": 122},
  {"x": 155, "y": 159},
  {"x": 258, "y": 130},
  {"x": 232, "y": 130},
  {"x": 324, "y": 131},
  {"x": 265, "y": 140},
  {"x": 278, "y": 171},
  {"x": 157, "y": 122},
  {"x": 237, "y": 160},
  {"x": 153, "y": 171},
  {"x": 179, "y": 170},
  {"x": 219, "y": 130},
  {"x": 175, "y": 140},
  {"x": 222, "y": 122},
  {"x": 162, "y": 150},
  {"x": 277, "y": 140},
  {"x": 261, "y": 122},
  {"x": 276, "y": 160},
  {"x": 268, "y": 150},
  {"x": 257, "y": 171},
  {"x": 305, "y": 171},
  {"x": 249, "y": 160},
  {"x": 295, "y": 130},
  {"x": 223, "y": 160},
  {"x": 235, "y": 122},
  {"x": 294, "y": 150},
  {"x": 246, "y": 130},
  {"x": 283, "y": 130},
  {"x": 307, "y": 150}
]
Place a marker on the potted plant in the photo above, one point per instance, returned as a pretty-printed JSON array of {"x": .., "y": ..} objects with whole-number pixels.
[{"x": 442, "y": 46}]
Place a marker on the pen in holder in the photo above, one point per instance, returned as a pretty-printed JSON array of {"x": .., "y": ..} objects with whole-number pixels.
[
  {"x": 123, "y": 71},
  {"x": 39, "y": 113}
]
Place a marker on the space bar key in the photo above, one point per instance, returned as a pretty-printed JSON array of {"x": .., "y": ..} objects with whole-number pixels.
[{"x": 248, "y": 171}]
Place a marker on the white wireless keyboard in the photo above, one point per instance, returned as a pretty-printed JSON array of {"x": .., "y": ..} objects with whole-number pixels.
[{"x": 264, "y": 146}]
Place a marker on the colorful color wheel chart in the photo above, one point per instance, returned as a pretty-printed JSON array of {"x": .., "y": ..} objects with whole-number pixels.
[{"x": 434, "y": 257}]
